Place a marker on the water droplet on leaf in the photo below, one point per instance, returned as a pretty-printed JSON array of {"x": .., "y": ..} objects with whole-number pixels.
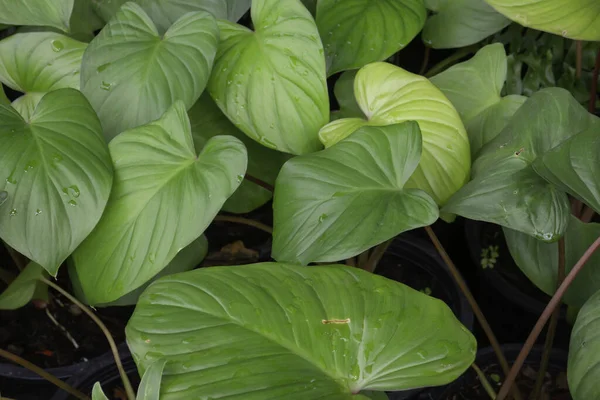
[{"x": 57, "y": 45}]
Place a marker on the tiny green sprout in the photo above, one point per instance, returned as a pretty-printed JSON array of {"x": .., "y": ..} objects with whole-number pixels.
[
  {"x": 495, "y": 377},
  {"x": 489, "y": 256}
]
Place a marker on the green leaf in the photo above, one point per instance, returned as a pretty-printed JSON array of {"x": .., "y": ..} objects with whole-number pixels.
[
  {"x": 459, "y": 23},
  {"x": 344, "y": 94},
  {"x": 131, "y": 75},
  {"x": 474, "y": 88},
  {"x": 40, "y": 61},
  {"x": 37, "y": 12},
  {"x": 163, "y": 198},
  {"x": 358, "y": 32},
  {"x": 237, "y": 8},
  {"x": 539, "y": 261},
  {"x": 22, "y": 290},
  {"x": 311, "y": 5},
  {"x": 98, "y": 393},
  {"x": 271, "y": 83},
  {"x": 574, "y": 166},
  {"x": 574, "y": 19},
  {"x": 208, "y": 121},
  {"x": 505, "y": 189},
  {"x": 26, "y": 104},
  {"x": 84, "y": 20},
  {"x": 56, "y": 170},
  {"x": 280, "y": 331},
  {"x": 339, "y": 202},
  {"x": 389, "y": 95},
  {"x": 3, "y": 99},
  {"x": 583, "y": 370},
  {"x": 150, "y": 385}
]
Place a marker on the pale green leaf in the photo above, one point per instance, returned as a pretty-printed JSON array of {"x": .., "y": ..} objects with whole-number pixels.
[
  {"x": 150, "y": 385},
  {"x": 337, "y": 203},
  {"x": 22, "y": 290},
  {"x": 459, "y": 23},
  {"x": 575, "y": 19},
  {"x": 271, "y": 83},
  {"x": 55, "y": 13},
  {"x": 277, "y": 331},
  {"x": 163, "y": 198},
  {"x": 505, "y": 189},
  {"x": 131, "y": 75},
  {"x": 358, "y": 32},
  {"x": 26, "y": 104},
  {"x": 98, "y": 393},
  {"x": 388, "y": 95},
  {"x": 57, "y": 172},
  {"x": 583, "y": 371},
  {"x": 263, "y": 163},
  {"x": 474, "y": 88}
]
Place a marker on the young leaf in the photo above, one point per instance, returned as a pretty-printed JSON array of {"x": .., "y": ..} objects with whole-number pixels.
[
  {"x": 21, "y": 291},
  {"x": 389, "y": 95},
  {"x": 37, "y": 12},
  {"x": 280, "y": 331},
  {"x": 208, "y": 121},
  {"x": 459, "y": 23},
  {"x": 574, "y": 166},
  {"x": 131, "y": 75},
  {"x": 505, "y": 189},
  {"x": 98, "y": 393},
  {"x": 583, "y": 370},
  {"x": 163, "y": 198},
  {"x": 271, "y": 83},
  {"x": 339, "y": 202},
  {"x": 539, "y": 260},
  {"x": 474, "y": 88},
  {"x": 57, "y": 172},
  {"x": 358, "y": 32},
  {"x": 574, "y": 19},
  {"x": 150, "y": 385}
]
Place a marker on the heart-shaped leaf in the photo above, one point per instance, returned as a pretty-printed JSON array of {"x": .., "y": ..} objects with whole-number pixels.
[
  {"x": 277, "y": 331},
  {"x": 389, "y": 95},
  {"x": 575, "y": 19},
  {"x": 208, "y": 121},
  {"x": 271, "y": 83},
  {"x": 339, "y": 202},
  {"x": 583, "y": 371},
  {"x": 474, "y": 88},
  {"x": 163, "y": 198},
  {"x": 132, "y": 75},
  {"x": 40, "y": 61},
  {"x": 56, "y": 13},
  {"x": 505, "y": 189},
  {"x": 458, "y": 23},
  {"x": 539, "y": 261},
  {"x": 358, "y": 32},
  {"x": 57, "y": 173},
  {"x": 22, "y": 290},
  {"x": 574, "y": 166}
]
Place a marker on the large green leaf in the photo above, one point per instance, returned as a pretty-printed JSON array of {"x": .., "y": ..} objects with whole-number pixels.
[
  {"x": 271, "y": 83},
  {"x": 263, "y": 163},
  {"x": 505, "y": 189},
  {"x": 55, "y": 13},
  {"x": 574, "y": 166},
  {"x": 339, "y": 202},
  {"x": 132, "y": 75},
  {"x": 57, "y": 172},
  {"x": 163, "y": 198},
  {"x": 575, "y": 19},
  {"x": 474, "y": 88},
  {"x": 277, "y": 331},
  {"x": 539, "y": 260},
  {"x": 388, "y": 95},
  {"x": 458, "y": 23},
  {"x": 40, "y": 61},
  {"x": 22, "y": 290},
  {"x": 583, "y": 371},
  {"x": 358, "y": 32}
]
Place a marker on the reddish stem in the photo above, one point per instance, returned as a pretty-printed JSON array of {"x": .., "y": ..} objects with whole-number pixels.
[
  {"x": 594, "y": 88},
  {"x": 260, "y": 183}
]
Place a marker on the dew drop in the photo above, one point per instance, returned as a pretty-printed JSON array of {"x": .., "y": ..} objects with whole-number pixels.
[
  {"x": 103, "y": 67},
  {"x": 38, "y": 212},
  {"x": 13, "y": 212},
  {"x": 322, "y": 217},
  {"x": 240, "y": 178},
  {"x": 3, "y": 197},
  {"x": 11, "y": 179},
  {"x": 56, "y": 158},
  {"x": 57, "y": 45},
  {"x": 30, "y": 165},
  {"x": 105, "y": 85},
  {"x": 72, "y": 203}
]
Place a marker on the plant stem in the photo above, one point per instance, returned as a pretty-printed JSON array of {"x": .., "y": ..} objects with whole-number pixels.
[
  {"x": 578, "y": 59},
  {"x": 594, "y": 88},
  {"x": 259, "y": 182},
  {"x": 560, "y": 276},
  {"x": 376, "y": 255},
  {"x": 104, "y": 329},
  {"x": 587, "y": 215},
  {"x": 363, "y": 259},
  {"x": 473, "y": 303},
  {"x": 49, "y": 377},
  {"x": 425, "y": 63},
  {"x": 351, "y": 262},
  {"x": 244, "y": 221},
  {"x": 483, "y": 379},
  {"x": 550, "y": 307},
  {"x": 447, "y": 62}
]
